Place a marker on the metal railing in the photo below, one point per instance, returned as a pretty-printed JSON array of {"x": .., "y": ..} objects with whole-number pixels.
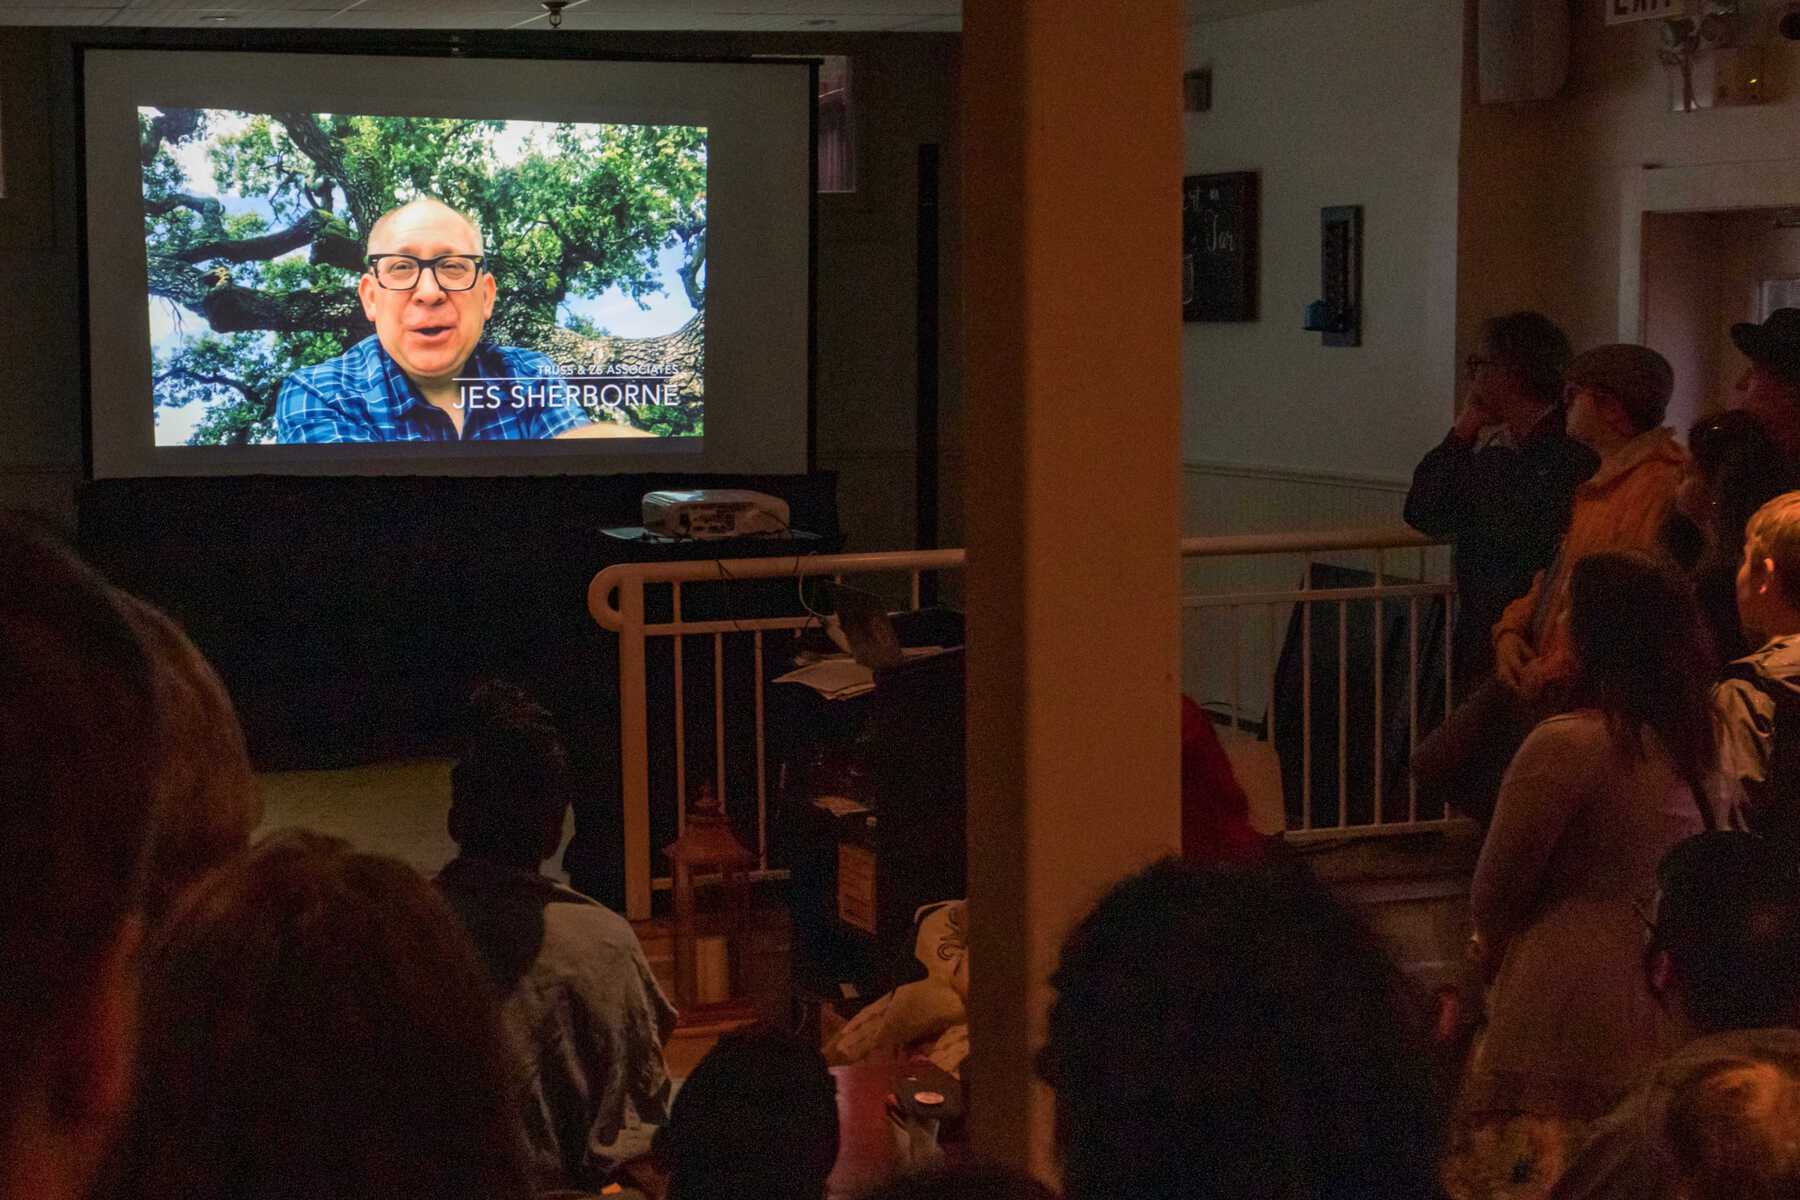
[
  {"x": 1261, "y": 604},
  {"x": 620, "y": 599}
]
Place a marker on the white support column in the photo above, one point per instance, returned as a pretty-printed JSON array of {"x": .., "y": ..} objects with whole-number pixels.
[{"x": 1072, "y": 159}]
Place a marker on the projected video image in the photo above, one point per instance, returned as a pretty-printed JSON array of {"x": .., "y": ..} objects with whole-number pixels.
[{"x": 325, "y": 278}]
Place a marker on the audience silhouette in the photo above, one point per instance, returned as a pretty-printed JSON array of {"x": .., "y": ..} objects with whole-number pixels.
[
  {"x": 185, "y": 1014},
  {"x": 315, "y": 1023}
]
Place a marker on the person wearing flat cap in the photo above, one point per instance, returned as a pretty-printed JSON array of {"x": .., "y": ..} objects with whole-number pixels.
[
  {"x": 1616, "y": 396},
  {"x": 1769, "y": 388}
]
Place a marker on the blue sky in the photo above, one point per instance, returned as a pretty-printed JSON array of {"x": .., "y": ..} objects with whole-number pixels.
[{"x": 612, "y": 310}]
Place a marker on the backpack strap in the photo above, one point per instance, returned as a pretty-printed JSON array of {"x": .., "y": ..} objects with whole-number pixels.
[{"x": 1776, "y": 810}]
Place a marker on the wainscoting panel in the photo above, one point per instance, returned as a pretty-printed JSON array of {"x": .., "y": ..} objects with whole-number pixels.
[{"x": 1229, "y": 498}]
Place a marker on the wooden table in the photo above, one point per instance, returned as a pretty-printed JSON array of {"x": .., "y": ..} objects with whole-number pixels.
[{"x": 867, "y": 1156}]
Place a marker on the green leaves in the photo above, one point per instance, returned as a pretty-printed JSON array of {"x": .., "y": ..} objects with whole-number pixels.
[{"x": 234, "y": 377}]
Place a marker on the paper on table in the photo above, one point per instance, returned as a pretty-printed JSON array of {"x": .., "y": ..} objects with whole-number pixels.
[
  {"x": 841, "y": 677},
  {"x": 839, "y": 806},
  {"x": 833, "y": 678}
]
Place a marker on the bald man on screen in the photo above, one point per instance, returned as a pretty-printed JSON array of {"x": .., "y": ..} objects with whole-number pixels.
[{"x": 426, "y": 374}]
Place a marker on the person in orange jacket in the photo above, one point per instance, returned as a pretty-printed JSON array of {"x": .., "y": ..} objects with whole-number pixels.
[{"x": 1617, "y": 396}]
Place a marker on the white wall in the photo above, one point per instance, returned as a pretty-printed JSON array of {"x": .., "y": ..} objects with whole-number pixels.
[
  {"x": 1470, "y": 211},
  {"x": 1700, "y": 276},
  {"x": 1544, "y": 184},
  {"x": 1340, "y": 102},
  {"x": 1756, "y": 249},
  {"x": 1683, "y": 292}
]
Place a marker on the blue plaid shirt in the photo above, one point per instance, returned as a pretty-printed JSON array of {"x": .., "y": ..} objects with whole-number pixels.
[{"x": 362, "y": 395}]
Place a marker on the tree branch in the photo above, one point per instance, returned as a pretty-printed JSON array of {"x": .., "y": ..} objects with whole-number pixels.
[
  {"x": 204, "y": 205},
  {"x": 170, "y": 125},
  {"x": 259, "y": 249},
  {"x": 244, "y": 310},
  {"x": 314, "y": 141},
  {"x": 677, "y": 354},
  {"x": 209, "y": 210},
  {"x": 566, "y": 262},
  {"x": 264, "y": 402},
  {"x": 236, "y": 385},
  {"x": 336, "y": 250},
  {"x": 575, "y": 255},
  {"x": 233, "y": 309},
  {"x": 690, "y": 271}
]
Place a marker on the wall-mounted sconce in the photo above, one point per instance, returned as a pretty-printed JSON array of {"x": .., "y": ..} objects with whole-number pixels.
[
  {"x": 1338, "y": 315},
  {"x": 1196, "y": 91},
  {"x": 1322, "y": 317}
]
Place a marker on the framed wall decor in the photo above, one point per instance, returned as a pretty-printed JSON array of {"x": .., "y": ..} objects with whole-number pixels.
[{"x": 1219, "y": 220}]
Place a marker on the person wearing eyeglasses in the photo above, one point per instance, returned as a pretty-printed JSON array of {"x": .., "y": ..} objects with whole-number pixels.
[
  {"x": 425, "y": 373},
  {"x": 1500, "y": 483},
  {"x": 1616, "y": 397}
]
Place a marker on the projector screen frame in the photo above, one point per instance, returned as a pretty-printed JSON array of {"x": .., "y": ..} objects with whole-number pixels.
[{"x": 474, "y": 458}]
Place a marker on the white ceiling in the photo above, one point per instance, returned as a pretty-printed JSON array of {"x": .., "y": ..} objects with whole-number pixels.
[
  {"x": 853, "y": 16},
  {"x": 916, "y": 16}
]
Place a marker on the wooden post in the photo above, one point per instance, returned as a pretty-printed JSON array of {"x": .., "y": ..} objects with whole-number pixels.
[{"x": 1071, "y": 176}]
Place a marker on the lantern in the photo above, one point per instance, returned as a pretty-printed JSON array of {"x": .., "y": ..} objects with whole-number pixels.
[{"x": 711, "y": 931}]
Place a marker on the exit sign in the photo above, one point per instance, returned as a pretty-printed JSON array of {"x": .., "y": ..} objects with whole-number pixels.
[{"x": 1618, "y": 12}]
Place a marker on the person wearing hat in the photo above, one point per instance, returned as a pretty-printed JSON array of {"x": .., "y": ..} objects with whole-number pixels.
[
  {"x": 1769, "y": 388},
  {"x": 1721, "y": 943},
  {"x": 1616, "y": 397}
]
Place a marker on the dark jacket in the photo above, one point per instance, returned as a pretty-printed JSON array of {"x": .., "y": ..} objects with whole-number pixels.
[
  {"x": 1504, "y": 509},
  {"x": 1758, "y": 710}
]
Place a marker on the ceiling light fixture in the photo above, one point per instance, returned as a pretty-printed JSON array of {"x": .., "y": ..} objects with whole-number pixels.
[{"x": 555, "y": 10}]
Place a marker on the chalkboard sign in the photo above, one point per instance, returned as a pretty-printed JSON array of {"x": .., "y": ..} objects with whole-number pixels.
[{"x": 1218, "y": 247}]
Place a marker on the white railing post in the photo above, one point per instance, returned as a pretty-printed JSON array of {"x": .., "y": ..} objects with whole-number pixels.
[
  {"x": 680, "y": 712},
  {"x": 1343, "y": 707},
  {"x": 634, "y": 748},
  {"x": 1380, "y": 682},
  {"x": 1412, "y": 699},
  {"x": 626, "y": 617},
  {"x": 762, "y": 765},
  {"x": 1306, "y": 724},
  {"x": 719, "y": 719}
]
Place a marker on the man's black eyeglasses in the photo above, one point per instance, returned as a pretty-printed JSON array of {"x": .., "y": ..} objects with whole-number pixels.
[{"x": 402, "y": 272}]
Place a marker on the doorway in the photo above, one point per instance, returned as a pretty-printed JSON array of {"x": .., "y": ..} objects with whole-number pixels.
[{"x": 1703, "y": 272}]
